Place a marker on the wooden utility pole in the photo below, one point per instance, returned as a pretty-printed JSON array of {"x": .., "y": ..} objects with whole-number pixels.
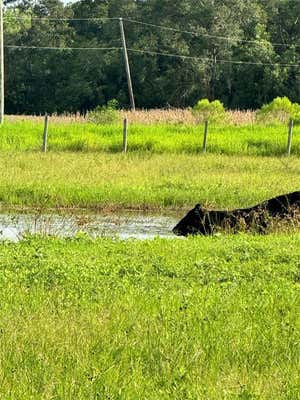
[
  {"x": 1, "y": 65},
  {"x": 127, "y": 65}
]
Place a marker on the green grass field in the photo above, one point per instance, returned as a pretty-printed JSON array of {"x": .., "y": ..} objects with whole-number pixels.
[
  {"x": 254, "y": 139},
  {"x": 142, "y": 181},
  {"x": 203, "y": 318}
]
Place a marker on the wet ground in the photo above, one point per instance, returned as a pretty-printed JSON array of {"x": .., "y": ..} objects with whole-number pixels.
[{"x": 140, "y": 226}]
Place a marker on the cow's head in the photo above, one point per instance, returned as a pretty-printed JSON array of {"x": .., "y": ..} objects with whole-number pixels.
[{"x": 192, "y": 223}]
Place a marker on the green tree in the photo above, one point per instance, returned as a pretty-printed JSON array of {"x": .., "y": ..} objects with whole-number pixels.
[{"x": 219, "y": 33}]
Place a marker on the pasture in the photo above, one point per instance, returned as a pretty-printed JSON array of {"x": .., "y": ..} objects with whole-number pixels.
[
  {"x": 203, "y": 318},
  {"x": 198, "y": 318},
  {"x": 250, "y": 139},
  {"x": 141, "y": 181}
]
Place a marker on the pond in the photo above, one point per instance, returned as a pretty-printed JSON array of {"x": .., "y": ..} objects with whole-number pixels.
[{"x": 124, "y": 226}]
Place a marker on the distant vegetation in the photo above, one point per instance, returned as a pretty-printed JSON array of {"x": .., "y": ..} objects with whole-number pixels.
[
  {"x": 209, "y": 111},
  {"x": 247, "y": 53},
  {"x": 107, "y": 114},
  {"x": 280, "y": 109}
]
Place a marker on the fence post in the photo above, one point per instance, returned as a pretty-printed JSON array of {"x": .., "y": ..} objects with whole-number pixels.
[
  {"x": 125, "y": 129},
  {"x": 45, "y": 135},
  {"x": 290, "y": 136},
  {"x": 205, "y": 136}
]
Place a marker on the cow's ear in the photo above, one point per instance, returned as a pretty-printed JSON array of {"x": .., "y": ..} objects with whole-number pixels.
[{"x": 198, "y": 206}]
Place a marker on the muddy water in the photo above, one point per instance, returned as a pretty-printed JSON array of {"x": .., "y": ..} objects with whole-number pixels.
[{"x": 14, "y": 226}]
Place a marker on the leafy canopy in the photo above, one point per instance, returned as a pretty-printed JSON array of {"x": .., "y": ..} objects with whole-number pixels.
[
  {"x": 280, "y": 109},
  {"x": 213, "y": 111}
]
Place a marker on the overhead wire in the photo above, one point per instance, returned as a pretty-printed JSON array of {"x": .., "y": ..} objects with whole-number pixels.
[
  {"x": 29, "y": 17},
  {"x": 145, "y": 51},
  {"x": 209, "y": 59},
  {"x": 150, "y": 52},
  {"x": 60, "y": 48},
  {"x": 195, "y": 33}
]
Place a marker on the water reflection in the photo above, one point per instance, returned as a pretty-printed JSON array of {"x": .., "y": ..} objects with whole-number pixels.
[{"x": 14, "y": 227}]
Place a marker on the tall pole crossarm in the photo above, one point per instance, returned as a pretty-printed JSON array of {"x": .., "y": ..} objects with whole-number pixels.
[{"x": 129, "y": 82}]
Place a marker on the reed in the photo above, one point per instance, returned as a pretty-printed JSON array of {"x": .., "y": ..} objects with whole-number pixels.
[{"x": 151, "y": 116}]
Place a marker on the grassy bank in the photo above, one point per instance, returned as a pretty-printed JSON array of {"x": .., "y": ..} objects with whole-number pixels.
[
  {"x": 142, "y": 181},
  {"x": 251, "y": 139},
  {"x": 203, "y": 318}
]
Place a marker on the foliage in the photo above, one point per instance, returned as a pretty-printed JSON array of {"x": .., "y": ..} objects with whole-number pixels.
[
  {"x": 280, "y": 109},
  {"x": 202, "y": 318},
  {"x": 104, "y": 114},
  {"x": 213, "y": 111},
  {"x": 16, "y": 21},
  {"x": 80, "y": 80}
]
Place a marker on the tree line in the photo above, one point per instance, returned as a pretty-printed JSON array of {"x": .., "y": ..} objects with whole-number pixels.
[{"x": 238, "y": 51}]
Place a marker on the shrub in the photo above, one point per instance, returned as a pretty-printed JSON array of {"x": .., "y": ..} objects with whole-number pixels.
[
  {"x": 281, "y": 109},
  {"x": 204, "y": 110},
  {"x": 107, "y": 114}
]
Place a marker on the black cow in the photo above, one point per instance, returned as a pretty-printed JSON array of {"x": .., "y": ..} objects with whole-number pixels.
[{"x": 200, "y": 221}]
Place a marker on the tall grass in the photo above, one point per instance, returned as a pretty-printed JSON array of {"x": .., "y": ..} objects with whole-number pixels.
[
  {"x": 152, "y": 116},
  {"x": 253, "y": 139},
  {"x": 142, "y": 181},
  {"x": 203, "y": 318}
]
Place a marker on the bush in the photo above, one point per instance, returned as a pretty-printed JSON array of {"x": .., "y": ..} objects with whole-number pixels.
[
  {"x": 204, "y": 110},
  {"x": 105, "y": 114},
  {"x": 281, "y": 109}
]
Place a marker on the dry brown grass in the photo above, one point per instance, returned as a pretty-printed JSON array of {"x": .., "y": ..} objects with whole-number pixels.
[
  {"x": 154, "y": 116},
  {"x": 66, "y": 118},
  {"x": 183, "y": 116}
]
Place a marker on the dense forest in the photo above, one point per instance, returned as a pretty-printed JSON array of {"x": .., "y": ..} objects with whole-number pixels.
[{"x": 243, "y": 52}]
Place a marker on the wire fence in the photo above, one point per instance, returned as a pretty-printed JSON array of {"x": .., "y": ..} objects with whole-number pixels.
[{"x": 163, "y": 133}]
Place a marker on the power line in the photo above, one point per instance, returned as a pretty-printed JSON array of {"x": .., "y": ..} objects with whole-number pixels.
[
  {"x": 208, "y": 59},
  {"x": 194, "y": 33},
  {"x": 60, "y": 48},
  {"x": 228, "y": 38},
  {"x": 171, "y": 55},
  {"x": 59, "y": 19}
]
